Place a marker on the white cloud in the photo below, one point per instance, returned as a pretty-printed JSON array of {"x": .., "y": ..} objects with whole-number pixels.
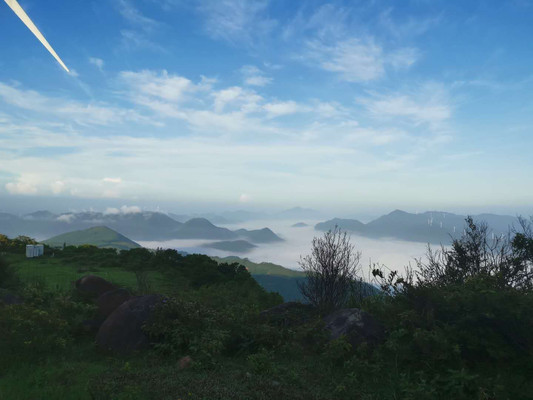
[
  {"x": 20, "y": 188},
  {"x": 162, "y": 86},
  {"x": 281, "y": 108},
  {"x": 354, "y": 60},
  {"x": 66, "y": 218},
  {"x": 97, "y": 62},
  {"x": 245, "y": 100},
  {"x": 123, "y": 210},
  {"x": 82, "y": 113},
  {"x": 253, "y": 76},
  {"x": 428, "y": 104},
  {"x": 130, "y": 210},
  {"x": 358, "y": 60},
  {"x": 57, "y": 187}
]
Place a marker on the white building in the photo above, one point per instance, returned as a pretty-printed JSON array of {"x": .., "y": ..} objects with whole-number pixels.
[{"x": 34, "y": 250}]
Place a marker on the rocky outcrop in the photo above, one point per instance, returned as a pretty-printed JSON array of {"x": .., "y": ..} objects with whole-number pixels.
[
  {"x": 357, "y": 325},
  {"x": 110, "y": 301},
  {"x": 122, "y": 331}
]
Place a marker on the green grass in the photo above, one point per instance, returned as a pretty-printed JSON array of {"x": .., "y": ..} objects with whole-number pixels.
[{"x": 59, "y": 274}]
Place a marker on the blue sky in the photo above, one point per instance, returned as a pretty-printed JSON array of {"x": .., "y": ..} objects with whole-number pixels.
[{"x": 339, "y": 105}]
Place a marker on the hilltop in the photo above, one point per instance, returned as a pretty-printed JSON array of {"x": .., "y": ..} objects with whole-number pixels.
[{"x": 99, "y": 236}]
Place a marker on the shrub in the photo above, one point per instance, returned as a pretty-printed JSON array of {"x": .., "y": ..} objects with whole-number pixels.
[
  {"x": 8, "y": 275},
  {"x": 30, "y": 332}
]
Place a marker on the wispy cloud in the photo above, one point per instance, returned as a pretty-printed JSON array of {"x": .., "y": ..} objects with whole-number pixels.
[
  {"x": 82, "y": 113},
  {"x": 429, "y": 104},
  {"x": 97, "y": 62},
  {"x": 358, "y": 60},
  {"x": 135, "y": 17},
  {"x": 237, "y": 21},
  {"x": 253, "y": 76}
]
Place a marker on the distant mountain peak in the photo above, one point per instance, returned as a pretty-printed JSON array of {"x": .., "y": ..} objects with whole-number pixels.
[{"x": 199, "y": 222}]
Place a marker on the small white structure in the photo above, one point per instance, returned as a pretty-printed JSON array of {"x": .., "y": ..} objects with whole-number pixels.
[{"x": 34, "y": 250}]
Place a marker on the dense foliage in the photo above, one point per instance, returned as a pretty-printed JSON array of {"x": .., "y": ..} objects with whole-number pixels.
[{"x": 459, "y": 328}]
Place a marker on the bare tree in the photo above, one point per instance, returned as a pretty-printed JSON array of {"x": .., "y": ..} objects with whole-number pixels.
[{"x": 331, "y": 270}]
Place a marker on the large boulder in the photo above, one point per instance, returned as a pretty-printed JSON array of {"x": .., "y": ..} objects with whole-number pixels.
[
  {"x": 109, "y": 301},
  {"x": 357, "y": 325},
  {"x": 93, "y": 286},
  {"x": 288, "y": 314},
  {"x": 122, "y": 330}
]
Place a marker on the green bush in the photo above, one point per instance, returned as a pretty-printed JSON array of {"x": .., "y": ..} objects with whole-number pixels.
[
  {"x": 8, "y": 276},
  {"x": 182, "y": 327},
  {"x": 29, "y": 332}
]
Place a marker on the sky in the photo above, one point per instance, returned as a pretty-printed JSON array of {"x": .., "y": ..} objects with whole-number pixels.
[{"x": 342, "y": 105}]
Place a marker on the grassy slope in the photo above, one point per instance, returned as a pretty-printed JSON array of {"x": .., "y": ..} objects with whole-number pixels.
[
  {"x": 100, "y": 236},
  {"x": 59, "y": 274},
  {"x": 263, "y": 268}
]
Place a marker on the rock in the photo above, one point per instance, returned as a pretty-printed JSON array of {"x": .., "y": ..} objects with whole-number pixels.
[
  {"x": 93, "y": 286},
  {"x": 184, "y": 362},
  {"x": 357, "y": 325},
  {"x": 288, "y": 314},
  {"x": 10, "y": 299},
  {"x": 109, "y": 301},
  {"x": 122, "y": 330}
]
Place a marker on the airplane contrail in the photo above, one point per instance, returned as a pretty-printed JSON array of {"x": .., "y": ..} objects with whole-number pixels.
[{"x": 17, "y": 9}]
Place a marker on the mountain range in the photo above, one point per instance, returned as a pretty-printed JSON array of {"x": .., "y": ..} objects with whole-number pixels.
[
  {"x": 434, "y": 227},
  {"x": 145, "y": 225}
]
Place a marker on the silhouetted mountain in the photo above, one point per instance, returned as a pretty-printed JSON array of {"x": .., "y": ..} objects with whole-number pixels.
[
  {"x": 237, "y": 246},
  {"x": 201, "y": 228},
  {"x": 264, "y": 235},
  {"x": 146, "y": 225},
  {"x": 100, "y": 236},
  {"x": 429, "y": 227},
  {"x": 299, "y": 225}
]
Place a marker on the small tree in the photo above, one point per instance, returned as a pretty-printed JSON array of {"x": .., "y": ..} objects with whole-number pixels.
[{"x": 331, "y": 270}]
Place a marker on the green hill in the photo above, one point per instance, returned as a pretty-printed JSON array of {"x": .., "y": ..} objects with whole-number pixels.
[
  {"x": 100, "y": 236},
  {"x": 263, "y": 268}
]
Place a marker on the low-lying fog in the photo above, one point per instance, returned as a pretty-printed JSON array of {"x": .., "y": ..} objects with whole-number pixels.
[{"x": 394, "y": 254}]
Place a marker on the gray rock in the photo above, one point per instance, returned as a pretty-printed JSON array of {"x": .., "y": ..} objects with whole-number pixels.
[
  {"x": 122, "y": 330},
  {"x": 110, "y": 301},
  {"x": 357, "y": 325}
]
